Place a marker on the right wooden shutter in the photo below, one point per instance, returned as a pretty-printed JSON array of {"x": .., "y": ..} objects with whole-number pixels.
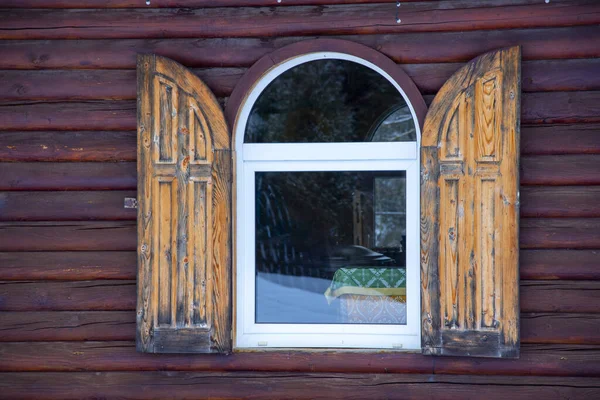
[{"x": 470, "y": 210}]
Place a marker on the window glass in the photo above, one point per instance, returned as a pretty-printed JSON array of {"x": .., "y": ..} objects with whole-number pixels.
[
  {"x": 329, "y": 101},
  {"x": 330, "y": 247}
]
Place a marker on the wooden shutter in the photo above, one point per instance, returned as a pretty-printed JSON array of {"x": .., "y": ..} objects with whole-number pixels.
[
  {"x": 184, "y": 215},
  {"x": 470, "y": 210}
]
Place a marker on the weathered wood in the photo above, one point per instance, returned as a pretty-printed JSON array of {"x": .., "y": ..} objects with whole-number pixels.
[
  {"x": 549, "y": 43},
  {"x": 538, "y": 108},
  {"x": 67, "y": 265},
  {"x": 560, "y": 233},
  {"x": 19, "y": 326},
  {"x": 65, "y": 206},
  {"x": 560, "y": 201},
  {"x": 546, "y": 75},
  {"x": 68, "y": 146},
  {"x": 560, "y": 264},
  {"x": 218, "y": 385},
  {"x": 184, "y": 214},
  {"x": 536, "y": 359},
  {"x": 120, "y": 146},
  {"x": 560, "y": 139},
  {"x": 560, "y": 170},
  {"x": 68, "y": 236},
  {"x": 68, "y": 176},
  {"x": 67, "y": 325},
  {"x": 101, "y": 295},
  {"x": 84, "y": 265},
  {"x": 469, "y": 209},
  {"x": 292, "y": 21},
  {"x": 67, "y": 296}
]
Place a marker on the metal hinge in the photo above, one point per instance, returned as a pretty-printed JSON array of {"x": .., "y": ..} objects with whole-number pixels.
[{"x": 130, "y": 202}]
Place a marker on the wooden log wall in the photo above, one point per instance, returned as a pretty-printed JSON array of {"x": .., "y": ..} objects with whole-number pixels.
[{"x": 67, "y": 161}]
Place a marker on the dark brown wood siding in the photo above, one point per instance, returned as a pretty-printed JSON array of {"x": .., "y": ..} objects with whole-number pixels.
[{"x": 68, "y": 159}]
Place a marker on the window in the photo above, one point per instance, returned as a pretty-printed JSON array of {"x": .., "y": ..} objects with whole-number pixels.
[{"x": 328, "y": 208}]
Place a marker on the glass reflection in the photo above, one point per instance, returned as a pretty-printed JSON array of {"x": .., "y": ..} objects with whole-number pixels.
[
  {"x": 330, "y": 247},
  {"x": 329, "y": 101}
]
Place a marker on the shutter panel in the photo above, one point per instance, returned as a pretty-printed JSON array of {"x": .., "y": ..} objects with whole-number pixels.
[
  {"x": 469, "y": 211},
  {"x": 184, "y": 214}
]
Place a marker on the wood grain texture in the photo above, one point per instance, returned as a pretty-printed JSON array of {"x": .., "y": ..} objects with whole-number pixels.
[
  {"x": 536, "y": 359},
  {"x": 68, "y": 265},
  {"x": 560, "y": 170},
  {"x": 292, "y": 21},
  {"x": 560, "y": 233},
  {"x": 470, "y": 211},
  {"x": 44, "y": 326},
  {"x": 537, "y": 44},
  {"x": 304, "y": 386},
  {"x": 560, "y": 201},
  {"x": 184, "y": 213},
  {"x": 557, "y": 296},
  {"x": 560, "y": 139},
  {"x": 560, "y": 264}
]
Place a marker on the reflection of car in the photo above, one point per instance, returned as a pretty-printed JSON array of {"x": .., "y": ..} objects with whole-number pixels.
[{"x": 356, "y": 256}]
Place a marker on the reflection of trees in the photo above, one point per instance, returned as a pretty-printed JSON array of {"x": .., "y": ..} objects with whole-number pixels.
[{"x": 322, "y": 101}]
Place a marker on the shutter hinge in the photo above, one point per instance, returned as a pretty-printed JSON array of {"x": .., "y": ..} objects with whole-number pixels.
[{"x": 130, "y": 202}]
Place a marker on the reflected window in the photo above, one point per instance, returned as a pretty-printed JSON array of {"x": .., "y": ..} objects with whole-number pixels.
[{"x": 328, "y": 198}]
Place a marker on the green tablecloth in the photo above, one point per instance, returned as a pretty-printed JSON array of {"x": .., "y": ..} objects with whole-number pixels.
[{"x": 369, "y": 281}]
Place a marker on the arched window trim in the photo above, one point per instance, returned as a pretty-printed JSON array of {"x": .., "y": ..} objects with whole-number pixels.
[{"x": 253, "y": 157}]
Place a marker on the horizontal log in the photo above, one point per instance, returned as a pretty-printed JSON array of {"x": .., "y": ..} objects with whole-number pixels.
[
  {"x": 36, "y": 326},
  {"x": 111, "y": 295},
  {"x": 560, "y": 139},
  {"x": 121, "y": 145},
  {"x": 559, "y": 233},
  {"x": 536, "y": 201},
  {"x": 536, "y": 359},
  {"x": 177, "y": 3},
  {"x": 560, "y": 170},
  {"x": 547, "y": 75},
  {"x": 68, "y": 265},
  {"x": 68, "y": 176},
  {"x": 68, "y": 236},
  {"x": 293, "y": 21},
  {"x": 535, "y": 170},
  {"x": 559, "y": 264},
  {"x": 90, "y": 265},
  {"x": 220, "y": 385},
  {"x": 537, "y": 108},
  {"x": 68, "y": 146},
  {"x": 537, "y": 44},
  {"x": 560, "y": 201}
]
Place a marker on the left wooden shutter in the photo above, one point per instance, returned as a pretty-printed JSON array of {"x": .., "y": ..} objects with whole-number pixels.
[{"x": 184, "y": 213}]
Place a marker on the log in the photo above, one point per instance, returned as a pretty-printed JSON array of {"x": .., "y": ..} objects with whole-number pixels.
[
  {"x": 546, "y": 75},
  {"x": 537, "y": 44},
  {"x": 68, "y": 265},
  {"x": 68, "y": 146},
  {"x": 219, "y": 385},
  {"x": 560, "y": 233},
  {"x": 560, "y": 201},
  {"x": 536, "y": 359},
  {"x": 121, "y": 145},
  {"x": 537, "y": 108},
  {"x": 560, "y": 264},
  {"x": 107, "y": 295},
  {"x": 539, "y": 202},
  {"x": 36, "y": 326},
  {"x": 68, "y": 236},
  {"x": 560, "y": 170},
  {"x": 90, "y": 265},
  {"x": 292, "y": 21},
  {"x": 66, "y": 206}
]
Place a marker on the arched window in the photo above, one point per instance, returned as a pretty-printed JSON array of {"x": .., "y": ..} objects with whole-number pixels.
[{"x": 327, "y": 188}]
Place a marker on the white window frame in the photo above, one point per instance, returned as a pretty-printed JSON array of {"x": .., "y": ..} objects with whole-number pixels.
[{"x": 364, "y": 156}]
